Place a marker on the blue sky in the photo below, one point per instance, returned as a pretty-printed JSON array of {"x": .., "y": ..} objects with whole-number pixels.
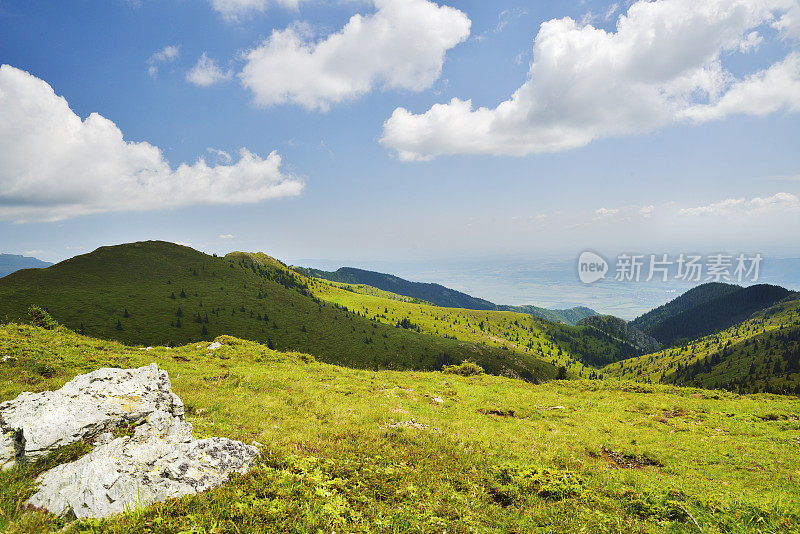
[{"x": 685, "y": 142}]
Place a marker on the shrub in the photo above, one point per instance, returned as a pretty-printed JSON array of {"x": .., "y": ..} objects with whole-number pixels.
[
  {"x": 41, "y": 318},
  {"x": 465, "y": 368}
]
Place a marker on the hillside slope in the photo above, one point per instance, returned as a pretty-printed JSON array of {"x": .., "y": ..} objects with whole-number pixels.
[
  {"x": 362, "y": 451},
  {"x": 759, "y": 354},
  {"x": 690, "y": 299},
  {"x": 717, "y": 313},
  {"x": 156, "y": 293},
  {"x": 10, "y": 263},
  {"x": 620, "y": 329},
  {"x": 440, "y": 295},
  {"x": 578, "y": 348}
]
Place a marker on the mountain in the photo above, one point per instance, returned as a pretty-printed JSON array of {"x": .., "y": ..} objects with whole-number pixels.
[
  {"x": 759, "y": 354},
  {"x": 10, "y": 263},
  {"x": 694, "y": 297},
  {"x": 706, "y": 309},
  {"x": 621, "y": 330},
  {"x": 570, "y": 316},
  {"x": 438, "y": 294},
  {"x": 157, "y": 293},
  {"x": 718, "y": 314},
  {"x": 433, "y": 293}
]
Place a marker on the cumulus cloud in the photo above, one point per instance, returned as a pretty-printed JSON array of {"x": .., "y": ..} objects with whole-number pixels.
[
  {"x": 661, "y": 65},
  {"x": 53, "y": 165},
  {"x": 165, "y": 55},
  {"x": 234, "y": 10},
  {"x": 400, "y": 46},
  {"x": 777, "y": 203},
  {"x": 206, "y": 72}
]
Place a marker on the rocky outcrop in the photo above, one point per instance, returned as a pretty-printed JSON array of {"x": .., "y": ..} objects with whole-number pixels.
[
  {"x": 158, "y": 461},
  {"x": 34, "y": 424}
]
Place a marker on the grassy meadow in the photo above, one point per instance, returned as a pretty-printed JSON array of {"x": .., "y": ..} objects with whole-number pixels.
[{"x": 349, "y": 450}]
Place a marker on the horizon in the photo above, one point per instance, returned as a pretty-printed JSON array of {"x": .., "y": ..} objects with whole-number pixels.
[{"x": 550, "y": 283}]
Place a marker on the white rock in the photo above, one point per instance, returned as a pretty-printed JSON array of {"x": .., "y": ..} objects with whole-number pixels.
[
  {"x": 437, "y": 400},
  {"x": 159, "y": 462},
  {"x": 214, "y": 346},
  {"x": 34, "y": 424}
]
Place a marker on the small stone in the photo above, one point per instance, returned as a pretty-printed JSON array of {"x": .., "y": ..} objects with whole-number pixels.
[
  {"x": 437, "y": 400},
  {"x": 214, "y": 346}
]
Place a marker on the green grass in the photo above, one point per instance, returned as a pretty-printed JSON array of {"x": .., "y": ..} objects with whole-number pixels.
[
  {"x": 141, "y": 292},
  {"x": 498, "y": 455},
  {"x": 578, "y": 348},
  {"x": 760, "y": 354}
]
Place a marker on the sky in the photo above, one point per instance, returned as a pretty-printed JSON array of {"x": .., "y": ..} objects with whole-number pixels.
[{"x": 363, "y": 132}]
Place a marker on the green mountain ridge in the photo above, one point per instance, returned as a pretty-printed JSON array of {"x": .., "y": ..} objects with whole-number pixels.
[
  {"x": 706, "y": 310},
  {"x": 157, "y": 293},
  {"x": 760, "y": 354},
  {"x": 440, "y": 295}
]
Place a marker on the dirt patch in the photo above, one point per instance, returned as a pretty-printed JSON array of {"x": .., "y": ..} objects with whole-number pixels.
[
  {"x": 625, "y": 461},
  {"x": 676, "y": 412},
  {"x": 777, "y": 417},
  {"x": 497, "y": 411}
]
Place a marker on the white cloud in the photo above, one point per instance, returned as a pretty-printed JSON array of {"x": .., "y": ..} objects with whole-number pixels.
[
  {"x": 606, "y": 212},
  {"x": 768, "y": 91},
  {"x": 661, "y": 65},
  {"x": 647, "y": 211},
  {"x": 234, "y": 10},
  {"x": 226, "y": 236},
  {"x": 777, "y": 203},
  {"x": 165, "y": 55},
  {"x": 206, "y": 72},
  {"x": 53, "y": 165},
  {"x": 400, "y": 46}
]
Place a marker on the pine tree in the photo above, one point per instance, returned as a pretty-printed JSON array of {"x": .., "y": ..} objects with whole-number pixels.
[
  {"x": 126, "y": 314},
  {"x": 178, "y": 323},
  {"x": 204, "y": 331},
  {"x": 179, "y": 313},
  {"x": 183, "y": 294},
  {"x": 119, "y": 325}
]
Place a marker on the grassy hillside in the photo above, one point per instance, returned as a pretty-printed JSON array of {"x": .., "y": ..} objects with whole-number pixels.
[
  {"x": 694, "y": 297},
  {"x": 717, "y": 314},
  {"x": 760, "y": 354},
  {"x": 440, "y": 295},
  {"x": 570, "y": 316},
  {"x": 622, "y": 330},
  {"x": 157, "y": 293},
  {"x": 434, "y": 293},
  {"x": 362, "y": 451},
  {"x": 577, "y": 348}
]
